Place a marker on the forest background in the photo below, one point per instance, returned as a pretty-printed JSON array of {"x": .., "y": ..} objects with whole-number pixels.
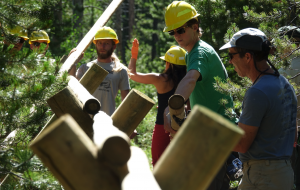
[{"x": 23, "y": 94}]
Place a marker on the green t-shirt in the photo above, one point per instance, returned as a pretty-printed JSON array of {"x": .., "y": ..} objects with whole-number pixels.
[{"x": 205, "y": 59}]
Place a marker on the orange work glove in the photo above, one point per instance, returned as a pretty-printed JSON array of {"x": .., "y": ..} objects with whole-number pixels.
[{"x": 135, "y": 49}]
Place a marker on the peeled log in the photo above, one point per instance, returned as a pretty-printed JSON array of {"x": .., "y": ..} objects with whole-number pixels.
[
  {"x": 66, "y": 102},
  {"x": 112, "y": 143},
  {"x": 140, "y": 176},
  {"x": 93, "y": 77},
  {"x": 72, "y": 157},
  {"x": 176, "y": 108},
  {"x": 90, "y": 80},
  {"x": 197, "y": 152},
  {"x": 87, "y": 40},
  {"x": 132, "y": 111},
  {"x": 89, "y": 103}
]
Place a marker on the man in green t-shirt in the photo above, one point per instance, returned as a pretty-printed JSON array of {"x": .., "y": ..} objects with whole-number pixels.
[{"x": 203, "y": 65}]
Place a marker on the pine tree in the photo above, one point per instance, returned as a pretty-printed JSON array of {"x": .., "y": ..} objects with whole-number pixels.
[{"x": 26, "y": 82}]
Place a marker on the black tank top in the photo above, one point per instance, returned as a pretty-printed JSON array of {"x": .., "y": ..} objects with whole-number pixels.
[{"x": 162, "y": 104}]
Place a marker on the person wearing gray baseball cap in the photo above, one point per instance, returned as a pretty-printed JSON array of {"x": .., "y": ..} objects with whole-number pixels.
[{"x": 268, "y": 114}]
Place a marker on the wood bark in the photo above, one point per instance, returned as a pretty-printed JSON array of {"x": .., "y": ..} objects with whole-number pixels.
[
  {"x": 132, "y": 111},
  {"x": 72, "y": 157},
  {"x": 87, "y": 40},
  {"x": 66, "y": 101},
  {"x": 89, "y": 103},
  {"x": 197, "y": 152}
]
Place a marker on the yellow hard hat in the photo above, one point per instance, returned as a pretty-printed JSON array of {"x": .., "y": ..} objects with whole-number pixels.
[
  {"x": 106, "y": 33},
  {"x": 178, "y": 13},
  {"x": 39, "y": 35},
  {"x": 175, "y": 55},
  {"x": 18, "y": 30}
]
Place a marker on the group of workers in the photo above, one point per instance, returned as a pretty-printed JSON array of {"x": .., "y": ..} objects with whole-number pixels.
[
  {"x": 269, "y": 108},
  {"x": 35, "y": 39}
]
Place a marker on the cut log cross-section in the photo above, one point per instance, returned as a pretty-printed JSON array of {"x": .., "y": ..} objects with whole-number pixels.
[{"x": 177, "y": 113}]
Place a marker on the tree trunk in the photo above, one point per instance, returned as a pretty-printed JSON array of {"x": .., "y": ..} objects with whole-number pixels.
[
  {"x": 119, "y": 30},
  {"x": 78, "y": 16},
  {"x": 131, "y": 18},
  {"x": 154, "y": 39}
]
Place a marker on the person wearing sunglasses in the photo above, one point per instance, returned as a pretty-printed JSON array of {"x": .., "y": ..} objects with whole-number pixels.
[
  {"x": 37, "y": 38},
  {"x": 203, "y": 65},
  {"x": 268, "y": 115},
  {"x": 22, "y": 37}
]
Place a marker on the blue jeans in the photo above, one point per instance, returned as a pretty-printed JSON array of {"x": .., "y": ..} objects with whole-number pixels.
[{"x": 267, "y": 175}]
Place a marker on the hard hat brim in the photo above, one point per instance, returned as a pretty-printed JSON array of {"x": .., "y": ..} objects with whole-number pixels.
[{"x": 178, "y": 24}]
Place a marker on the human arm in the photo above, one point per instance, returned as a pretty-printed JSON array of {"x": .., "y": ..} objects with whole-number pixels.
[
  {"x": 149, "y": 78},
  {"x": 187, "y": 84},
  {"x": 247, "y": 139},
  {"x": 124, "y": 94},
  {"x": 72, "y": 71},
  {"x": 255, "y": 105}
]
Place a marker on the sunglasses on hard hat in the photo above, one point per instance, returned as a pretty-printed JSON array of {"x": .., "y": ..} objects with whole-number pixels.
[
  {"x": 20, "y": 40},
  {"x": 180, "y": 30},
  {"x": 37, "y": 44}
]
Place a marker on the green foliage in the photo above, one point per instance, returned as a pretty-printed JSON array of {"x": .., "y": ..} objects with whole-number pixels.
[{"x": 27, "y": 79}]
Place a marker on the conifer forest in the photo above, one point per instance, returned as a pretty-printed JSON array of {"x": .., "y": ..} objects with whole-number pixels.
[{"x": 27, "y": 80}]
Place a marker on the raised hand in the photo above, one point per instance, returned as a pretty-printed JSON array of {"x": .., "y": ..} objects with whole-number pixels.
[{"x": 135, "y": 49}]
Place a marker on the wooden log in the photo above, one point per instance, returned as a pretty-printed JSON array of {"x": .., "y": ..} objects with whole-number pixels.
[
  {"x": 89, "y": 103},
  {"x": 140, "y": 176},
  {"x": 90, "y": 80},
  {"x": 72, "y": 158},
  {"x": 93, "y": 77},
  {"x": 87, "y": 40},
  {"x": 132, "y": 111},
  {"x": 197, "y": 152},
  {"x": 112, "y": 143},
  {"x": 176, "y": 108},
  {"x": 66, "y": 102}
]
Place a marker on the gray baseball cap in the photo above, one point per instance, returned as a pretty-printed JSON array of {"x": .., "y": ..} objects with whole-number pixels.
[{"x": 248, "y": 38}]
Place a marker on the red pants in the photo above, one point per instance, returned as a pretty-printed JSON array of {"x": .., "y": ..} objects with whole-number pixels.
[{"x": 160, "y": 141}]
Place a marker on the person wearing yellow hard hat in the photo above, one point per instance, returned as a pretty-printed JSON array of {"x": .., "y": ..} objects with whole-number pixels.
[
  {"x": 106, "y": 41},
  {"x": 203, "y": 65},
  {"x": 22, "y": 37},
  {"x": 37, "y": 38},
  {"x": 165, "y": 84}
]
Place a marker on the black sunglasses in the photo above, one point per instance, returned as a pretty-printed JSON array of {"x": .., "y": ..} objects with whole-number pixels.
[
  {"x": 180, "y": 30},
  {"x": 20, "y": 40},
  {"x": 230, "y": 55},
  {"x": 37, "y": 44}
]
